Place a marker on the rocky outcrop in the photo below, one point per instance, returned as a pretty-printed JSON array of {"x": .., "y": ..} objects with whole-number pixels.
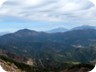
[{"x": 10, "y": 67}]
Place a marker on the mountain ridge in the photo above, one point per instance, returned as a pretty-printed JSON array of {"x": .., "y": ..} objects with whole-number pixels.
[{"x": 84, "y": 27}]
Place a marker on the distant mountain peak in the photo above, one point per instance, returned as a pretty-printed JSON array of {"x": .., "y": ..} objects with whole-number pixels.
[
  {"x": 84, "y": 27},
  {"x": 59, "y": 29},
  {"x": 25, "y": 32}
]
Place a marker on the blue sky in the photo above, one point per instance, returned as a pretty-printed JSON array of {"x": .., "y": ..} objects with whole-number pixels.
[{"x": 44, "y": 15}]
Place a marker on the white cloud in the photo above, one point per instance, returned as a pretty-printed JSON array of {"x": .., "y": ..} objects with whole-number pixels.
[
  {"x": 1, "y": 2},
  {"x": 49, "y": 10},
  {"x": 93, "y": 1}
]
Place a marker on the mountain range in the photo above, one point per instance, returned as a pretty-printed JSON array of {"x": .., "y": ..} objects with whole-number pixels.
[
  {"x": 32, "y": 41},
  {"x": 51, "y": 50},
  {"x": 61, "y": 29}
]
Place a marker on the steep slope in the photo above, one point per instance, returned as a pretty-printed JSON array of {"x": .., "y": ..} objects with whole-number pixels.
[{"x": 13, "y": 66}]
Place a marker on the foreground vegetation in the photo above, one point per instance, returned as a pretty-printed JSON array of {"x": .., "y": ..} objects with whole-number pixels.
[{"x": 64, "y": 67}]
